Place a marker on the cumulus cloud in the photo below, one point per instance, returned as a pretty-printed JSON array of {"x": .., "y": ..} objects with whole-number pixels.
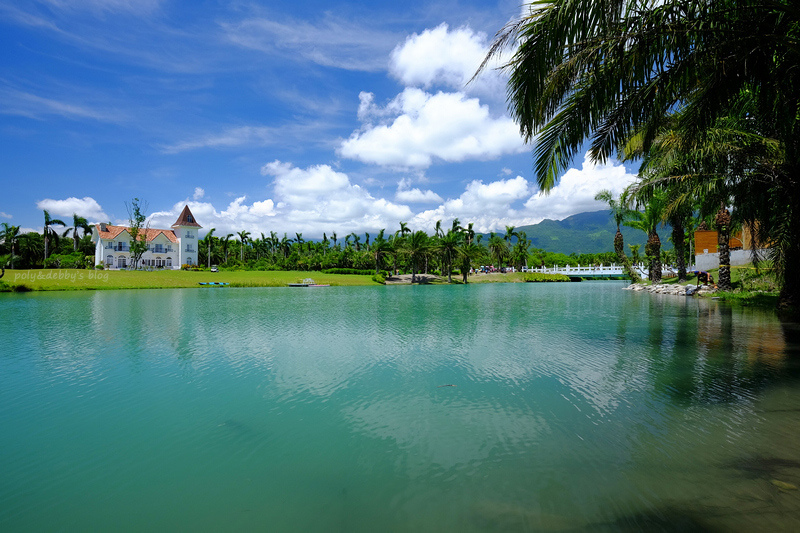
[
  {"x": 199, "y": 192},
  {"x": 417, "y": 127},
  {"x": 488, "y": 205},
  {"x": 309, "y": 200},
  {"x": 407, "y": 193},
  {"x": 445, "y": 57},
  {"x": 577, "y": 188},
  {"x": 86, "y": 207}
]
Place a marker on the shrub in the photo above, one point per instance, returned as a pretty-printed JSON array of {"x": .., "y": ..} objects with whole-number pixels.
[
  {"x": 536, "y": 277},
  {"x": 379, "y": 278},
  {"x": 349, "y": 271}
]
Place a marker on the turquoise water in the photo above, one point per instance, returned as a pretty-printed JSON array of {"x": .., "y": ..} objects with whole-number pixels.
[{"x": 508, "y": 407}]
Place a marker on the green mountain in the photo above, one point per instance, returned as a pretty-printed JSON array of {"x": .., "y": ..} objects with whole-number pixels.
[{"x": 586, "y": 233}]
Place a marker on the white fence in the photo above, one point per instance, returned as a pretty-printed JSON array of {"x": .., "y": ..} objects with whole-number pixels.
[{"x": 603, "y": 271}]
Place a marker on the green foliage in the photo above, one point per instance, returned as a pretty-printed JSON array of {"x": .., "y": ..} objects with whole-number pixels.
[
  {"x": 356, "y": 271},
  {"x": 379, "y": 278},
  {"x": 536, "y": 277},
  {"x": 138, "y": 230}
]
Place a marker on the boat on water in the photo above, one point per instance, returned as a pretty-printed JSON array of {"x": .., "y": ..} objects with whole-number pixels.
[{"x": 308, "y": 282}]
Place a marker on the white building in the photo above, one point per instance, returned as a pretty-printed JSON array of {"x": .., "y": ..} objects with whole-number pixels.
[{"x": 166, "y": 248}]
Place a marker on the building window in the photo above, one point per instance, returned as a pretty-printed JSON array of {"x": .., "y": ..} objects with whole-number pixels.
[
  {"x": 109, "y": 260},
  {"x": 189, "y": 248},
  {"x": 121, "y": 262},
  {"x": 169, "y": 261}
]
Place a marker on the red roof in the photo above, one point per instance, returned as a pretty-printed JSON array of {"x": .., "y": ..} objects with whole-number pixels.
[
  {"x": 112, "y": 232},
  {"x": 186, "y": 218}
]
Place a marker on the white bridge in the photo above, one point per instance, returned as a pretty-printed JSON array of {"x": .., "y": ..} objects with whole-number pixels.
[{"x": 602, "y": 271}]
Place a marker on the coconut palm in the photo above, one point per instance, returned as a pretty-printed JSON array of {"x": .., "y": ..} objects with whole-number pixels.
[
  {"x": 10, "y": 235},
  {"x": 244, "y": 237},
  {"x": 498, "y": 248},
  {"x": 78, "y": 223},
  {"x": 618, "y": 213},
  {"x": 417, "y": 246},
  {"x": 447, "y": 245},
  {"x": 380, "y": 249},
  {"x": 648, "y": 221},
  {"x": 584, "y": 69},
  {"x": 49, "y": 233},
  {"x": 467, "y": 254}
]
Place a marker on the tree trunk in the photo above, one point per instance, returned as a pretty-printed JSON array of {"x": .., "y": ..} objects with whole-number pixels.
[
  {"x": 679, "y": 241},
  {"x": 789, "y": 298},
  {"x": 619, "y": 248},
  {"x": 723, "y": 223},
  {"x": 653, "y": 252}
]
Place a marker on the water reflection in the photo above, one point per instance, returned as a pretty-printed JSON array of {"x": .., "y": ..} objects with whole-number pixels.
[{"x": 578, "y": 407}]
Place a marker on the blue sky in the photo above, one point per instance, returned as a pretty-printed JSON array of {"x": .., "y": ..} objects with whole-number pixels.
[{"x": 278, "y": 116}]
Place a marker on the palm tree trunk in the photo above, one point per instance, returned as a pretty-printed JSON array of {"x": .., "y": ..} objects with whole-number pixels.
[
  {"x": 653, "y": 252},
  {"x": 619, "y": 248},
  {"x": 679, "y": 241},
  {"x": 723, "y": 223}
]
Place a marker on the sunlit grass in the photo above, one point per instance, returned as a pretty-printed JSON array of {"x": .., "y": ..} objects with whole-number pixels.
[{"x": 66, "y": 280}]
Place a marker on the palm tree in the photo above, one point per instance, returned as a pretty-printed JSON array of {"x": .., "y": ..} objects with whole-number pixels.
[
  {"x": 244, "y": 237},
  {"x": 447, "y": 245},
  {"x": 417, "y": 247},
  {"x": 209, "y": 240},
  {"x": 467, "y": 253},
  {"x": 510, "y": 233},
  {"x": 77, "y": 223},
  {"x": 49, "y": 233},
  {"x": 648, "y": 222},
  {"x": 618, "y": 211},
  {"x": 380, "y": 249},
  {"x": 9, "y": 235},
  {"x": 225, "y": 244},
  {"x": 604, "y": 70},
  {"x": 404, "y": 229},
  {"x": 498, "y": 248}
]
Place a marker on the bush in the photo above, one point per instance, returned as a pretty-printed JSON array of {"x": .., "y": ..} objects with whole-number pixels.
[
  {"x": 379, "y": 278},
  {"x": 536, "y": 277},
  {"x": 99, "y": 266},
  {"x": 348, "y": 271}
]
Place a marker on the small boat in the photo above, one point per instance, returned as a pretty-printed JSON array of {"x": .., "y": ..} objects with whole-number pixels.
[
  {"x": 214, "y": 283},
  {"x": 308, "y": 282}
]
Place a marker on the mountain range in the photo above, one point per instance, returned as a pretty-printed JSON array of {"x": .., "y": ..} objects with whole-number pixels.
[{"x": 586, "y": 233}]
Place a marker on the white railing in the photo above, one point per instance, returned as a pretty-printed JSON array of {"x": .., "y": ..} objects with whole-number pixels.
[{"x": 603, "y": 270}]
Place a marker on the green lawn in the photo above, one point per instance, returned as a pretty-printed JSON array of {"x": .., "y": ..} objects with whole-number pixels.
[{"x": 67, "y": 280}]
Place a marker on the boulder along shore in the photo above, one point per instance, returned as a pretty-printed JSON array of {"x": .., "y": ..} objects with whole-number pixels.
[{"x": 689, "y": 289}]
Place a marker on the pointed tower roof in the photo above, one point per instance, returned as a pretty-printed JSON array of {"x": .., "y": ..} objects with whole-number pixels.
[{"x": 186, "y": 218}]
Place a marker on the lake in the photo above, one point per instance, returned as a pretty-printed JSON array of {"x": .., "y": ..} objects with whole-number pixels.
[{"x": 498, "y": 407}]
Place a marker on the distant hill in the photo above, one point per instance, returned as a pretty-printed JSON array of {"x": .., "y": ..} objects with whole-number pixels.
[{"x": 586, "y": 233}]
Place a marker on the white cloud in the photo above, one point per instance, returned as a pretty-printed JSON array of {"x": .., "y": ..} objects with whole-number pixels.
[
  {"x": 576, "y": 190},
  {"x": 405, "y": 193},
  {"x": 417, "y": 127},
  {"x": 21, "y": 103},
  {"x": 313, "y": 200},
  {"x": 488, "y": 205},
  {"x": 139, "y": 7},
  {"x": 86, "y": 207},
  {"x": 3, "y": 214},
  {"x": 199, "y": 192},
  {"x": 440, "y": 56}
]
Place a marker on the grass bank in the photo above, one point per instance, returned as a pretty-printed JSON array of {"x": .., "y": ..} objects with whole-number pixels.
[
  {"x": 72, "y": 280},
  {"x": 751, "y": 287}
]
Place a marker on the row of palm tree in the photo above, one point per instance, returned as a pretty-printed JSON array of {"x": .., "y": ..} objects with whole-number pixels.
[
  {"x": 457, "y": 248},
  {"x": 33, "y": 249},
  {"x": 704, "y": 94}
]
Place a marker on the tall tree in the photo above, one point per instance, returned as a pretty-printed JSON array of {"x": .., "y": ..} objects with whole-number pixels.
[
  {"x": 78, "y": 223},
  {"x": 10, "y": 235},
  {"x": 585, "y": 69},
  {"x": 244, "y": 237},
  {"x": 138, "y": 229},
  {"x": 618, "y": 213},
  {"x": 49, "y": 233},
  {"x": 417, "y": 247}
]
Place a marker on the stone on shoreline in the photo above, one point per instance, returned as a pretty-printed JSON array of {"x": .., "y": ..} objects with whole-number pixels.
[{"x": 674, "y": 289}]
